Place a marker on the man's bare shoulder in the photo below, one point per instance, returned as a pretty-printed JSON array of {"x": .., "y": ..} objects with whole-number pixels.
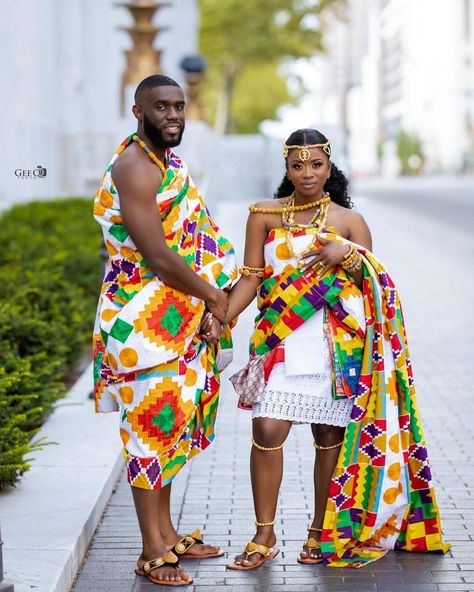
[{"x": 132, "y": 171}]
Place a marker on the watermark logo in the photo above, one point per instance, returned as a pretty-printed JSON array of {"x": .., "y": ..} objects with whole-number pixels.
[{"x": 38, "y": 173}]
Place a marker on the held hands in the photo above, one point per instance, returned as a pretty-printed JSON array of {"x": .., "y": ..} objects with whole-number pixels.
[
  {"x": 320, "y": 259},
  {"x": 218, "y": 304},
  {"x": 211, "y": 328}
]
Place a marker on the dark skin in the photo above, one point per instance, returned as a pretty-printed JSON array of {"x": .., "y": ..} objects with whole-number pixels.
[
  {"x": 137, "y": 179},
  {"x": 266, "y": 468}
]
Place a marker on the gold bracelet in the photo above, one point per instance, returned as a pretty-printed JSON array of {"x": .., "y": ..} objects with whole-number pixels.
[
  {"x": 352, "y": 261},
  {"x": 353, "y": 265},
  {"x": 265, "y": 449},
  {"x": 319, "y": 447},
  {"x": 265, "y": 523},
  {"x": 246, "y": 271},
  {"x": 314, "y": 528}
]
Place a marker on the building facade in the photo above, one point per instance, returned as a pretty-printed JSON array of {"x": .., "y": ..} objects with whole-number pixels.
[
  {"x": 62, "y": 63},
  {"x": 408, "y": 66}
]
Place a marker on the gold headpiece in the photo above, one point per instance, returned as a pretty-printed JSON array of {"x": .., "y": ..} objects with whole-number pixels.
[{"x": 304, "y": 150}]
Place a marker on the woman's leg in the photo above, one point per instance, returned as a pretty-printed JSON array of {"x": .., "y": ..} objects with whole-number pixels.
[
  {"x": 266, "y": 470},
  {"x": 326, "y": 437},
  {"x": 147, "y": 506}
]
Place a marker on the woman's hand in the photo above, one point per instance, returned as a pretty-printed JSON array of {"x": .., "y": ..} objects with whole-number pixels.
[
  {"x": 320, "y": 259},
  {"x": 211, "y": 328}
]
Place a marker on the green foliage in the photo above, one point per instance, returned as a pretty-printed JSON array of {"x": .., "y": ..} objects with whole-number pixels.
[
  {"x": 251, "y": 108},
  {"x": 410, "y": 153},
  {"x": 50, "y": 269},
  {"x": 238, "y": 36}
]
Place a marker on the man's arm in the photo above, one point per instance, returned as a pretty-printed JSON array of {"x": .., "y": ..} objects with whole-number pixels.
[{"x": 136, "y": 183}]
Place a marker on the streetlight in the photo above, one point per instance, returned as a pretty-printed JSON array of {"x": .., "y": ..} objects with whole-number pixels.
[{"x": 194, "y": 67}]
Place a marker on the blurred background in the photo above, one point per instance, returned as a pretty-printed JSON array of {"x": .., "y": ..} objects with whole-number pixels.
[{"x": 389, "y": 81}]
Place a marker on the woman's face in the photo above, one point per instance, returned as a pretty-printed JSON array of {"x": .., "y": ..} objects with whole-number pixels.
[{"x": 308, "y": 176}]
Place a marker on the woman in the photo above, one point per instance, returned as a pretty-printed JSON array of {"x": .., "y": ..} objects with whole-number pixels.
[{"x": 329, "y": 349}]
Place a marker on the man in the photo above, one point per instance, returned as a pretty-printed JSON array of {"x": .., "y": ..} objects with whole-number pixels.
[{"x": 168, "y": 263}]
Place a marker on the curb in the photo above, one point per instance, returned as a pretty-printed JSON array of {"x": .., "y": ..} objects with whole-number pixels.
[{"x": 49, "y": 519}]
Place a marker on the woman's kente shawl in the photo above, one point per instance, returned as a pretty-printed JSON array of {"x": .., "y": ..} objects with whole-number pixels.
[
  {"x": 146, "y": 332},
  {"x": 381, "y": 495}
]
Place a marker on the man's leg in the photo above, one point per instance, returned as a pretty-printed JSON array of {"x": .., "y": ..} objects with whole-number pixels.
[
  {"x": 266, "y": 470},
  {"x": 327, "y": 437},
  {"x": 147, "y": 506},
  {"x": 168, "y": 531}
]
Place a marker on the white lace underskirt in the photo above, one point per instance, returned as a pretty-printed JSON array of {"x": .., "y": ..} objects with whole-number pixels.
[{"x": 304, "y": 398}]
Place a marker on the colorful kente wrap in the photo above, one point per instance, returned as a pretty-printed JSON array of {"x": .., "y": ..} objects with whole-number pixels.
[
  {"x": 381, "y": 495},
  {"x": 149, "y": 361}
]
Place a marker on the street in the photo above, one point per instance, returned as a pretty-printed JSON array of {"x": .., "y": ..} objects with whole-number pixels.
[{"x": 422, "y": 233}]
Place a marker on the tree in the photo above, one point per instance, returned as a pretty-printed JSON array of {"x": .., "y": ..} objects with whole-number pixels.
[
  {"x": 239, "y": 37},
  {"x": 410, "y": 153}
]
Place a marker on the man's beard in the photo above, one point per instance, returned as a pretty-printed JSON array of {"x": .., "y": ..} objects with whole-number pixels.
[{"x": 156, "y": 135}]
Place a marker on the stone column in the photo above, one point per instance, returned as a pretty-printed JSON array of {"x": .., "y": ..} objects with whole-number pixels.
[{"x": 143, "y": 59}]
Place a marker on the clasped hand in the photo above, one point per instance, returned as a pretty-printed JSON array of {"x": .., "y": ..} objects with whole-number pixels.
[
  {"x": 320, "y": 259},
  {"x": 211, "y": 328}
]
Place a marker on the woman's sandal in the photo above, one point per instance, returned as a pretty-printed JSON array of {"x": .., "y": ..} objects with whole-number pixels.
[
  {"x": 187, "y": 542},
  {"x": 312, "y": 545},
  {"x": 169, "y": 559},
  {"x": 266, "y": 553}
]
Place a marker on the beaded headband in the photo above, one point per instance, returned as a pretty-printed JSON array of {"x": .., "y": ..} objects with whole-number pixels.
[{"x": 304, "y": 150}]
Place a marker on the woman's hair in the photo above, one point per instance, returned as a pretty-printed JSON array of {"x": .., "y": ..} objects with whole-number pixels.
[{"x": 337, "y": 183}]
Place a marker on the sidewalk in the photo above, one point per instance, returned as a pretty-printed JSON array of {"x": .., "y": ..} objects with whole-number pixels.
[{"x": 428, "y": 262}]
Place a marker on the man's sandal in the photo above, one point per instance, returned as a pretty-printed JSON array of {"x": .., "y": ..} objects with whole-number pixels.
[
  {"x": 312, "y": 545},
  {"x": 169, "y": 559},
  {"x": 266, "y": 553},
  {"x": 187, "y": 542}
]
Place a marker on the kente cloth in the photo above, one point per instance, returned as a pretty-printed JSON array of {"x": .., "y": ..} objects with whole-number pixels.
[
  {"x": 150, "y": 362},
  {"x": 381, "y": 495}
]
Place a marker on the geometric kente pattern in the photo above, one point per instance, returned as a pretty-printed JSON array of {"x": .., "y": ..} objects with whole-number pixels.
[
  {"x": 381, "y": 495},
  {"x": 150, "y": 364}
]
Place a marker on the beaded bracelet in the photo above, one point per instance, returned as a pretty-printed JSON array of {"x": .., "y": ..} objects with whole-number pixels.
[
  {"x": 352, "y": 261},
  {"x": 246, "y": 271}
]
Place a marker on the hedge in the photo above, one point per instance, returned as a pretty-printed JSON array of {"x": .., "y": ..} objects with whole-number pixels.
[{"x": 50, "y": 274}]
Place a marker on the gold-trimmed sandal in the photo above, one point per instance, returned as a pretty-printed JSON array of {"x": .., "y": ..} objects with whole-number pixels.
[
  {"x": 169, "y": 559},
  {"x": 311, "y": 544},
  {"x": 188, "y": 541},
  {"x": 267, "y": 553}
]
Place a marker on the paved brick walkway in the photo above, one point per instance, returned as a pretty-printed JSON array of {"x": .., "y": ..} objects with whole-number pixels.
[{"x": 428, "y": 262}]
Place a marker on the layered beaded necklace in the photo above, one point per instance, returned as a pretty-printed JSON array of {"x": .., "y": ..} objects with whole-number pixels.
[{"x": 318, "y": 221}]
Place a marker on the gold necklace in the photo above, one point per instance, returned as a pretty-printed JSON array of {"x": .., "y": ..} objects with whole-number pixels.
[
  {"x": 289, "y": 206},
  {"x": 318, "y": 221}
]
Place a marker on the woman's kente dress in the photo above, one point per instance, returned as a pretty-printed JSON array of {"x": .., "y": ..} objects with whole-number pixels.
[{"x": 323, "y": 351}]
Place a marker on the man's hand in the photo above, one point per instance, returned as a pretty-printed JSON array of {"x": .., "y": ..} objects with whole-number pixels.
[{"x": 218, "y": 304}]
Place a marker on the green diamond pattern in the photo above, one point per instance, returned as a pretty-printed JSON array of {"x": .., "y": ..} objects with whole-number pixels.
[
  {"x": 165, "y": 419},
  {"x": 119, "y": 232},
  {"x": 172, "y": 320},
  {"x": 121, "y": 330}
]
